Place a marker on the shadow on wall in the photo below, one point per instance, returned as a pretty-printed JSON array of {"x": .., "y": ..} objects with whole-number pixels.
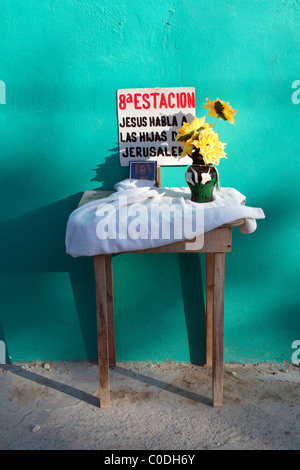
[
  {"x": 194, "y": 305},
  {"x": 110, "y": 172},
  {"x": 35, "y": 243}
]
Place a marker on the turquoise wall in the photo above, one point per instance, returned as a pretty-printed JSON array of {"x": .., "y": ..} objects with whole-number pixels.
[{"x": 61, "y": 62}]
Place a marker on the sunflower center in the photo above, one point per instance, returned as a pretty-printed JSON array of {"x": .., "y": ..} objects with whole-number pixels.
[
  {"x": 219, "y": 107},
  {"x": 219, "y": 110}
]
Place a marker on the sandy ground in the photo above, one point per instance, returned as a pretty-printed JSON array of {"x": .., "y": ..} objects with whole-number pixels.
[{"x": 164, "y": 406}]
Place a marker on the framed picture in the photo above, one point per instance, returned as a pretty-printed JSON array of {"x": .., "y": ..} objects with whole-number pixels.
[{"x": 142, "y": 170}]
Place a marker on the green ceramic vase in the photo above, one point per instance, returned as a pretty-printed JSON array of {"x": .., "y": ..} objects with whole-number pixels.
[{"x": 201, "y": 179}]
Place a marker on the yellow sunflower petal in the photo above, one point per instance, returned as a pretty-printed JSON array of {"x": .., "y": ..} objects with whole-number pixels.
[
  {"x": 186, "y": 131},
  {"x": 210, "y": 147},
  {"x": 221, "y": 110}
]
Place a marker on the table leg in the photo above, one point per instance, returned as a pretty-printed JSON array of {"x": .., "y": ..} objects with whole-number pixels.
[
  {"x": 209, "y": 306},
  {"x": 102, "y": 329},
  {"x": 110, "y": 310},
  {"x": 218, "y": 328}
]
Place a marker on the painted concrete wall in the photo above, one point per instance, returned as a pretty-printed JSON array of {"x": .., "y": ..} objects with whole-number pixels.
[{"x": 61, "y": 63}]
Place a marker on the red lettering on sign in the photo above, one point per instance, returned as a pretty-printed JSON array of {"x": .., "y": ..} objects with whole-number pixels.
[
  {"x": 163, "y": 101},
  {"x": 136, "y": 101},
  {"x": 146, "y": 100},
  {"x": 154, "y": 99},
  {"x": 183, "y": 100},
  {"x": 191, "y": 100},
  {"x": 157, "y": 100},
  {"x": 122, "y": 102},
  {"x": 171, "y": 95}
]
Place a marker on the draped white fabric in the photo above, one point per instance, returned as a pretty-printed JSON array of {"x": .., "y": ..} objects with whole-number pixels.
[{"x": 138, "y": 216}]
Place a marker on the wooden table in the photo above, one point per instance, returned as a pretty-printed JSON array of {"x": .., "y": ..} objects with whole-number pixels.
[{"x": 217, "y": 242}]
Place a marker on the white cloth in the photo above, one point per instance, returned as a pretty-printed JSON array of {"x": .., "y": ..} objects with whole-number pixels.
[
  {"x": 126, "y": 220},
  {"x": 130, "y": 183}
]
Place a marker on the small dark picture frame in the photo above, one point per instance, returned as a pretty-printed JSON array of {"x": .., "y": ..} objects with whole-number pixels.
[{"x": 143, "y": 170}]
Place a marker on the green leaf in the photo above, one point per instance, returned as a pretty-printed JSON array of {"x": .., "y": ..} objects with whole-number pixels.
[
  {"x": 185, "y": 137},
  {"x": 201, "y": 191}
]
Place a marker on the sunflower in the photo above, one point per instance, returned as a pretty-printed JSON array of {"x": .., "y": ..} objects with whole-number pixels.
[
  {"x": 189, "y": 131},
  {"x": 187, "y": 147},
  {"x": 210, "y": 147},
  {"x": 221, "y": 110}
]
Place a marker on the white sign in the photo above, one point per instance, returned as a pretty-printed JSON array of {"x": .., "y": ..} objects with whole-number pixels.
[{"x": 148, "y": 120}]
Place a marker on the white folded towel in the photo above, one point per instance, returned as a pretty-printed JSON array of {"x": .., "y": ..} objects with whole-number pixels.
[
  {"x": 249, "y": 226},
  {"x": 133, "y": 184},
  {"x": 124, "y": 221}
]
